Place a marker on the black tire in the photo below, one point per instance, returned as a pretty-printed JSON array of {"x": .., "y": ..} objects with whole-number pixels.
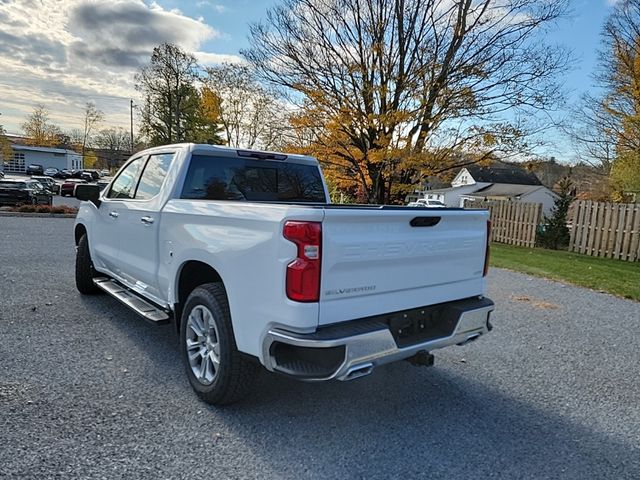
[
  {"x": 85, "y": 273},
  {"x": 235, "y": 374}
]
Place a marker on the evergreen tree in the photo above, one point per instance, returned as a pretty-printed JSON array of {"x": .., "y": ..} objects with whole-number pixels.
[{"x": 556, "y": 234}]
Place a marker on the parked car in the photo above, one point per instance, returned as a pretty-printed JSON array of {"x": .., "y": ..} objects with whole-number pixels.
[
  {"x": 88, "y": 175},
  {"x": 34, "y": 169},
  {"x": 94, "y": 173},
  {"x": 51, "y": 172},
  {"x": 104, "y": 173},
  {"x": 17, "y": 192},
  {"x": 427, "y": 203},
  {"x": 244, "y": 252},
  {"x": 63, "y": 174},
  {"x": 68, "y": 188},
  {"x": 49, "y": 183},
  {"x": 1, "y": 174}
]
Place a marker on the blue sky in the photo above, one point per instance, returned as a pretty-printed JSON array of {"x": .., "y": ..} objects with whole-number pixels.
[
  {"x": 581, "y": 33},
  {"x": 73, "y": 51}
]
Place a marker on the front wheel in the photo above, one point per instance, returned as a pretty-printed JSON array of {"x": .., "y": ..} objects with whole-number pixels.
[
  {"x": 85, "y": 273},
  {"x": 217, "y": 371}
]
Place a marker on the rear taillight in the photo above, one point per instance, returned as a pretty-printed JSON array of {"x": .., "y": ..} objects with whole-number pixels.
[
  {"x": 303, "y": 274},
  {"x": 487, "y": 250}
]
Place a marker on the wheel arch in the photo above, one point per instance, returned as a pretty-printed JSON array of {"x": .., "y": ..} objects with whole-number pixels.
[
  {"x": 78, "y": 232},
  {"x": 192, "y": 274}
]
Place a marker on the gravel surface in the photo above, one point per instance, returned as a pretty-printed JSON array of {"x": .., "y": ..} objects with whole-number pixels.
[{"x": 89, "y": 390}]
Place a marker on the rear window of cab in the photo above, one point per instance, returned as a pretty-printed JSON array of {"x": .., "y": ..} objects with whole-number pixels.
[{"x": 226, "y": 178}]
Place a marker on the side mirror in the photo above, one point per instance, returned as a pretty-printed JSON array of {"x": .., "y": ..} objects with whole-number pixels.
[{"x": 88, "y": 192}]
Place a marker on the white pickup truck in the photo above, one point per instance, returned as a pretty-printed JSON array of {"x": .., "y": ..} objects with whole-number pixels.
[{"x": 243, "y": 252}]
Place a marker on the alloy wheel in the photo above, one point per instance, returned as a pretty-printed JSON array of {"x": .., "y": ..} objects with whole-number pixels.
[{"x": 203, "y": 345}]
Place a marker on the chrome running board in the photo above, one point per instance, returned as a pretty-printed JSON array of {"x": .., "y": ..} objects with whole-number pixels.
[{"x": 132, "y": 300}]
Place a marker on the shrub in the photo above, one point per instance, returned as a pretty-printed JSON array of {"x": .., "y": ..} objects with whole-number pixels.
[{"x": 62, "y": 209}]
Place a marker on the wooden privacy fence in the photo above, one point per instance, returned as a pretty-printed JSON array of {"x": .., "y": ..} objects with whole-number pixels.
[
  {"x": 606, "y": 230},
  {"x": 513, "y": 223}
]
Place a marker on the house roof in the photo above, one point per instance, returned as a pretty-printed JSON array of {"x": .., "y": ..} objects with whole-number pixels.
[
  {"x": 505, "y": 190},
  {"x": 500, "y": 172},
  {"x": 44, "y": 149},
  {"x": 441, "y": 190}
]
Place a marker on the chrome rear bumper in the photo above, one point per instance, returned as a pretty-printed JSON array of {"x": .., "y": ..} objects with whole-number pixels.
[{"x": 360, "y": 346}]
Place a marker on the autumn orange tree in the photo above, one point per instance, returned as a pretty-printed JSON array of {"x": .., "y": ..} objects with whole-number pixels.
[
  {"x": 389, "y": 90},
  {"x": 39, "y": 129},
  {"x": 6, "y": 152},
  {"x": 606, "y": 127},
  {"x": 620, "y": 77}
]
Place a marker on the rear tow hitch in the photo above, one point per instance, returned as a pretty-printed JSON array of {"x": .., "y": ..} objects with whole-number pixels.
[{"x": 421, "y": 359}]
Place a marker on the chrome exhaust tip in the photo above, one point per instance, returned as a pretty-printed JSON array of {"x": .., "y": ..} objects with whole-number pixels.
[{"x": 358, "y": 371}]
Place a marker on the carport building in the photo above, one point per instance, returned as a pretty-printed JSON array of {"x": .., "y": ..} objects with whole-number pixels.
[{"x": 24, "y": 155}]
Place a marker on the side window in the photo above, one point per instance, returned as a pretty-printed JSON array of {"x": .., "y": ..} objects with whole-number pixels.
[
  {"x": 124, "y": 186},
  {"x": 153, "y": 176}
]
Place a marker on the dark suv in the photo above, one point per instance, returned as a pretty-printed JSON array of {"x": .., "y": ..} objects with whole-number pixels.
[
  {"x": 34, "y": 169},
  {"x": 17, "y": 192}
]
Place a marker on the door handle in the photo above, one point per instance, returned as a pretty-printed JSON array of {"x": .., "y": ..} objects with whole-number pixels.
[
  {"x": 114, "y": 214},
  {"x": 147, "y": 220}
]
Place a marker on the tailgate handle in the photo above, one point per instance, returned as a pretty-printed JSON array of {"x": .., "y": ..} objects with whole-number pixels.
[{"x": 425, "y": 221}]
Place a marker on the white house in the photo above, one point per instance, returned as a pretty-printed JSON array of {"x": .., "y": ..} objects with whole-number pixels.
[
  {"x": 515, "y": 193},
  {"x": 498, "y": 181},
  {"x": 47, "y": 157}
]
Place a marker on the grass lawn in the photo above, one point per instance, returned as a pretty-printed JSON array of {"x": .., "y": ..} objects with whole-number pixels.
[{"x": 612, "y": 276}]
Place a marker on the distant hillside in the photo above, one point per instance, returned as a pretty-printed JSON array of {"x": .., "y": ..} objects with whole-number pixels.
[{"x": 591, "y": 183}]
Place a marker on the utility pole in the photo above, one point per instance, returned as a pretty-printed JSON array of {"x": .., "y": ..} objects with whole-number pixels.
[{"x": 131, "y": 118}]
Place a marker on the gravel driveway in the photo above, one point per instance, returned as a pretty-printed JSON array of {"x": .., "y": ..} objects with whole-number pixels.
[{"x": 89, "y": 390}]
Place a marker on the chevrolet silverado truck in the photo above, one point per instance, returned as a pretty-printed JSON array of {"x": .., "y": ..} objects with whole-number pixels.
[{"x": 244, "y": 253}]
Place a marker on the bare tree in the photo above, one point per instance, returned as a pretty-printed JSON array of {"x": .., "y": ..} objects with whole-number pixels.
[
  {"x": 76, "y": 136},
  {"x": 401, "y": 81},
  {"x": 593, "y": 131},
  {"x": 92, "y": 118},
  {"x": 115, "y": 145},
  {"x": 250, "y": 114}
]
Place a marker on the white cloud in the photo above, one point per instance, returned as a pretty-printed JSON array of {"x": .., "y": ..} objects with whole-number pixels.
[
  {"x": 216, "y": 6},
  {"x": 63, "y": 53},
  {"x": 207, "y": 59}
]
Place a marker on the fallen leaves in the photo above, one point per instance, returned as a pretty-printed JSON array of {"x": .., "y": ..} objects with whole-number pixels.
[{"x": 535, "y": 302}]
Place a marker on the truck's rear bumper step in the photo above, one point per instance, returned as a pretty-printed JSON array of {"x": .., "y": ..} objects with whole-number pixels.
[
  {"x": 136, "y": 303},
  {"x": 351, "y": 350}
]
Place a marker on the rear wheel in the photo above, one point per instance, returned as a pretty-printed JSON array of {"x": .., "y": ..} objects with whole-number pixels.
[
  {"x": 85, "y": 273},
  {"x": 217, "y": 371}
]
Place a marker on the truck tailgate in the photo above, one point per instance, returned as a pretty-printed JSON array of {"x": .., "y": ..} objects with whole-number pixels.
[{"x": 377, "y": 260}]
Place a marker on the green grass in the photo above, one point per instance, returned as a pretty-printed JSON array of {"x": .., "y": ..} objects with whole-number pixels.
[{"x": 612, "y": 276}]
